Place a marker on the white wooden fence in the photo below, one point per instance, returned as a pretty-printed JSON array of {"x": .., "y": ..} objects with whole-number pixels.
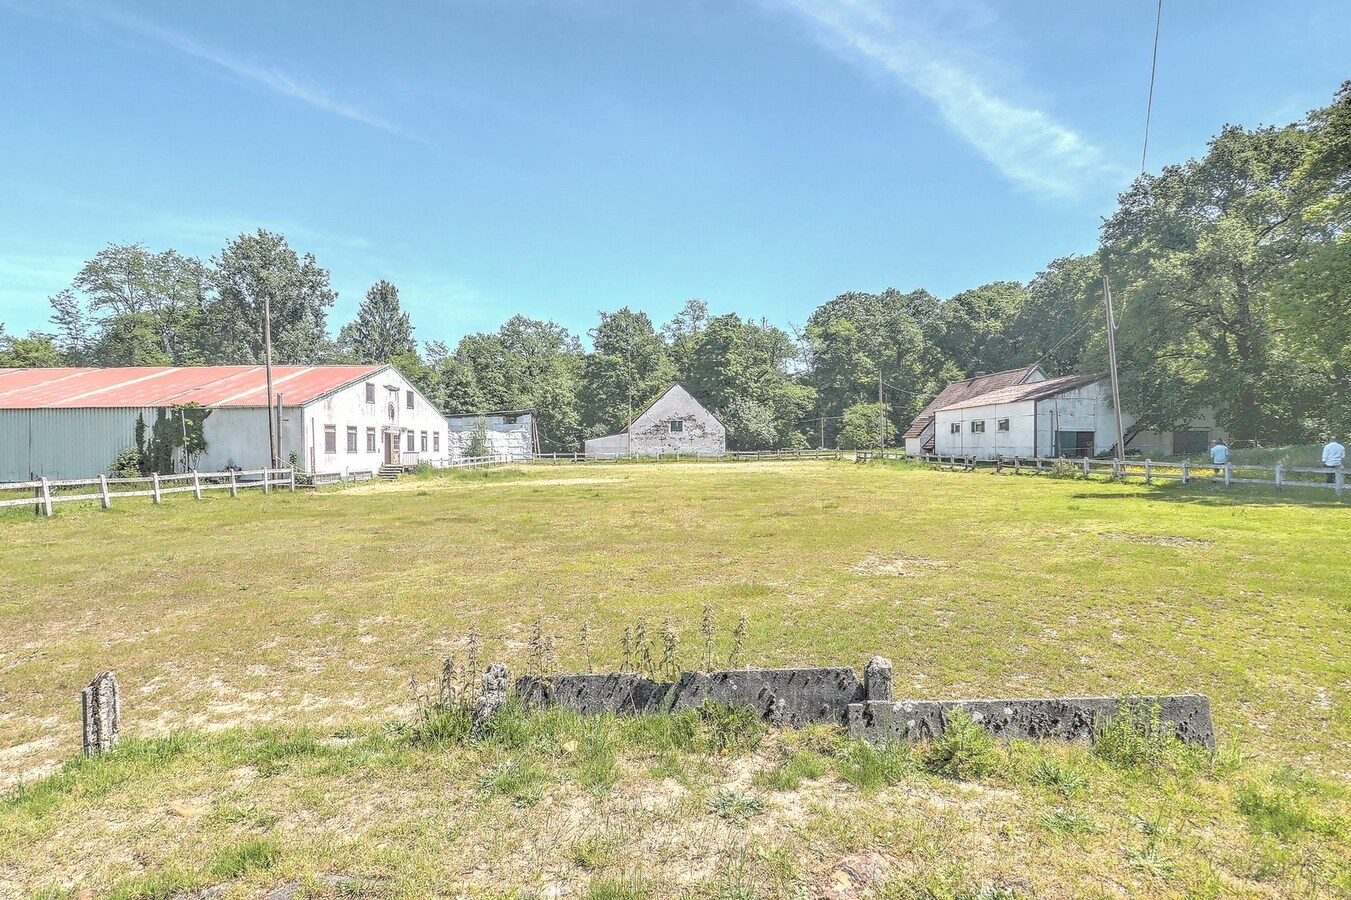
[
  {"x": 49, "y": 492},
  {"x": 1278, "y": 476},
  {"x": 730, "y": 456}
]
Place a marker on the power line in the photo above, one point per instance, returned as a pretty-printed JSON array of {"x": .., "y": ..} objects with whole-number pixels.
[{"x": 1153, "y": 67}]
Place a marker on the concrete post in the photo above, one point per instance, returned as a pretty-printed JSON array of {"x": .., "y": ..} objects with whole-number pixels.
[
  {"x": 154, "y": 487},
  {"x": 1228, "y": 474},
  {"x": 101, "y": 704},
  {"x": 877, "y": 679},
  {"x": 104, "y": 497},
  {"x": 234, "y": 484},
  {"x": 1186, "y": 471},
  {"x": 196, "y": 485},
  {"x": 46, "y": 497},
  {"x": 1280, "y": 480}
]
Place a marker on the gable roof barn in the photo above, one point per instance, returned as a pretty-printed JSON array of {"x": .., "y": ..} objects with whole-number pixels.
[
  {"x": 958, "y": 391},
  {"x": 1037, "y": 390},
  {"x": 146, "y": 386}
]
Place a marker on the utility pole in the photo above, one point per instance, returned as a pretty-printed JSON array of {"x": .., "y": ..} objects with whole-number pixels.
[
  {"x": 267, "y": 359},
  {"x": 1111, "y": 367},
  {"x": 881, "y": 417}
]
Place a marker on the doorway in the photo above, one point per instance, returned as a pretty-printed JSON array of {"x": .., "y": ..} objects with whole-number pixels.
[
  {"x": 391, "y": 448},
  {"x": 1074, "y": 443}
]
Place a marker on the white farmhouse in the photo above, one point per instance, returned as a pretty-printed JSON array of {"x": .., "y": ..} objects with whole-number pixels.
[
  {"x": 674, "y": 423},
  {"x": 72, "y": 422},
  {"x": 1054, "y": 417},
  {"x": 509, "y": 433}
]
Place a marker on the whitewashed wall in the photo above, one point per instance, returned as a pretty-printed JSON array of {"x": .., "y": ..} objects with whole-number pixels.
[
  {"x": 610, "y": 445},
  {"x": 650, "y": 434},
  {"x": 1017, "y": 441},
  {"x": 514, "y": 439}
]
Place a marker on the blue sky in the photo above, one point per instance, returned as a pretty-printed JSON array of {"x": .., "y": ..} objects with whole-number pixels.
[{"x": 559, "y": 157}]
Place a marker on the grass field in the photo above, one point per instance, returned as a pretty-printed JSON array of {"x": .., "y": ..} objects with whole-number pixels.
[{"x": 265, "y": 643}]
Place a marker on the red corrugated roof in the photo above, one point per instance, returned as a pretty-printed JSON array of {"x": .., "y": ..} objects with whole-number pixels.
[
  {"x": 958, "y": 391},
  {"x": 214, "y": 386}
]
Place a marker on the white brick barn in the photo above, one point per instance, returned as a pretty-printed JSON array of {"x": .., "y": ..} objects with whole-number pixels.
[
  {"x": 72, "y": 422},
  {"x": 674, "y": 423}
]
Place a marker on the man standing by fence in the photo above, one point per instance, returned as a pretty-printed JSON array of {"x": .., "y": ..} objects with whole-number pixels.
[
  {"x": 1219, "y": 455},
  {"x": 1333, "y": 455}
]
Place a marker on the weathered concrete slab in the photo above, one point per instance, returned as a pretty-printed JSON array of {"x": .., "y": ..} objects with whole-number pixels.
[
  {"x": 592, "y": 694},
  {"x": 783, "y": 696},
  {"x": 1052, "y": 718}
]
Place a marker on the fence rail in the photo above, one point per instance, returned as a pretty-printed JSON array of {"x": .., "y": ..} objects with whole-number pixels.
[
  {"x": 49, "y": 492},
  {"x": 1279, "y": 476},
  {"x": 734, "y": 456}
]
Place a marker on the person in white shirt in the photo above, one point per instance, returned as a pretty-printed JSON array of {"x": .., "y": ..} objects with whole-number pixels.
[
  {"x": 1219, "y": 455},
  {"x": 1333, "y": 455}
]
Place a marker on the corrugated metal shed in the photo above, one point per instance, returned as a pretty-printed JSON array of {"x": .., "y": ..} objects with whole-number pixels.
[
  {"x": 154, "y": 386},
  {"x": 1018, "y": 393},
  {"x": 958, "y": 391}
]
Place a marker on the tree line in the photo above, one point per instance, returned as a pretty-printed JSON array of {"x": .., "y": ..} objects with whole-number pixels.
[{"x": 1231, "y": 274}]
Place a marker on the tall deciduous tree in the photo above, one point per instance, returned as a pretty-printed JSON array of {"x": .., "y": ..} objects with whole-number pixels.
[
  {"x": 381, "y": 330},
  {"x": 629, "y": 368},
  {"x": 263, "y": 265}
]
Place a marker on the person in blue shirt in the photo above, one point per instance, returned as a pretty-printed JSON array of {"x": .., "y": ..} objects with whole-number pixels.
[
  {"x": 1219, "y": 455},
  {"x": 1333, "y": 455}
]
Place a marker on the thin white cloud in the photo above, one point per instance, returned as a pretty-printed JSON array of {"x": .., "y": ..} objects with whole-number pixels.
[
  {"x": 271, "y": 77},
  {"x": 1026, "y": 145}
]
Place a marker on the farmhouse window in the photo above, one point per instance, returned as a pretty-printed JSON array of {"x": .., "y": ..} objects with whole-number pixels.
[
  {"x": 408, "y": 443},
  {"x": 1002, "y": 425},
  {"x": 977, "y": 426},
  {"x": 330, "y": 438},
  {"x": 351, "y": 439},
  {"x": 370, "y": 392},
  {"x": 409, "y": 404},
  {"x": 677, "y": 426},
  {"x": 370, "y": 440},
  {"x": 955, "y": 428},
  {"x": 436, "y": 441},
  {"x": 424, "y": 442}
]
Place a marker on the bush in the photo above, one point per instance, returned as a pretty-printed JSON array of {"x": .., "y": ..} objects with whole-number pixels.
[
  {"x": 1066, "y": 469},
  {"x": 126, "y": 464},
  {"x": 964, "y": 751}
]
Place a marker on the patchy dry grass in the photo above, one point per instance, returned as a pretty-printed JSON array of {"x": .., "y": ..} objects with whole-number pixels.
[{"x": 258, "y": 639}]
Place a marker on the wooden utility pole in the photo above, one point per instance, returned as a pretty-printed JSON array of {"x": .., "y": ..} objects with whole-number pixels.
[
  {"x": 267, "y": 360},
  {"x": 1111, "y": 368},
  {"x": 881, "y": 417}
]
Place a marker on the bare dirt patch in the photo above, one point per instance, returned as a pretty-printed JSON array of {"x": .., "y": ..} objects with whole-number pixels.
[
  {"x": 898, "y": 565},
  {"x": 1158, "y": 540}
]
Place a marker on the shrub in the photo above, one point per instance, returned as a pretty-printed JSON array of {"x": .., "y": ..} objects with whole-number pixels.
[
  {"x": 1134, "y": 739},
  {"x": 126, "y": 464},
  {"x": 1064, "y": 468},
  {"x": 964, "y": 751}
]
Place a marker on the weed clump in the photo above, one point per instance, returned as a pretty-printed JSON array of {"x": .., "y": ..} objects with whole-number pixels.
[
  {"x": 963, "y": 751},
  {"x": 731, "y": 729},
  {"x": 1134, "y": 739},
  {"x": 868, "y": 767}
]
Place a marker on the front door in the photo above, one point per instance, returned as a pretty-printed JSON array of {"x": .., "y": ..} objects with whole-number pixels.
[{"x": 391, "y": 449}]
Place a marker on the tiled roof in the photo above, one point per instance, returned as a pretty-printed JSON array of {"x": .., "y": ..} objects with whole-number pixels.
[
  {"x": 213, "y": 386},
  {"x": 963, "y": 390},
  {"x": 1037, "y": 390}
]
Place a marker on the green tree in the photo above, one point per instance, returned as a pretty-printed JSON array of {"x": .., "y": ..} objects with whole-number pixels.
[
  {"x": 37, "y": 351},
  {"x": 381, "y": 330},
  {"x": 259, "y": 266},
  {"x": 975, "y": 328},
  {"x": 860, "y": 428},
  {"x": 628, "y": 368},
  {"x": 1195, "y": 255}
]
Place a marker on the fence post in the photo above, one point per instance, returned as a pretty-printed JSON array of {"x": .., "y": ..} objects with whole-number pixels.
[
  {"x": 104, "y": 497},
  {"x": 154, "y": 487},
  {"x": 1017, "y": 466},
  {"x": 1149, "y": 472},
  {"x": 196, "y": 485},
  {"x": 1280, "y": 481},
  {"x": 293, "y": 479},
  {"x": 267, "y": 481},
  {"x": 46, "y": 495},
  {"x": 1086, "y": 468},
  {"x": 1186, "y": 471},
  {"x": 1339, "y": 482},
  {"x": 234, "y": 485},
  {"x": 1228, "y": 474}
]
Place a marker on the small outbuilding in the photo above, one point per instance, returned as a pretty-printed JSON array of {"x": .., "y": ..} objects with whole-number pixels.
[
  {"x": 508, "y": 433},
  {"x": 919, "y": 437},
  {"x": 673, "y": 423}
]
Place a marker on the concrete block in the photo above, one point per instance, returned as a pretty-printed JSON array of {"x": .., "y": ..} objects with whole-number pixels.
[
  {"x": 593, "y": 694},
  {"x": 781, "y": 696},
  {"x": 1052, "y": 718},
  {"x": 877, "y": 679}
]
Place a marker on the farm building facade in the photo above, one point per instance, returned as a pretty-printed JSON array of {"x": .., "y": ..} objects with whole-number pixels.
[
  {"x": 673, "y": 423},
  {"x": 72, "y": 422},
  {"x": 1053, "y": 417},
  {"x": 506, "y": 432}
]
